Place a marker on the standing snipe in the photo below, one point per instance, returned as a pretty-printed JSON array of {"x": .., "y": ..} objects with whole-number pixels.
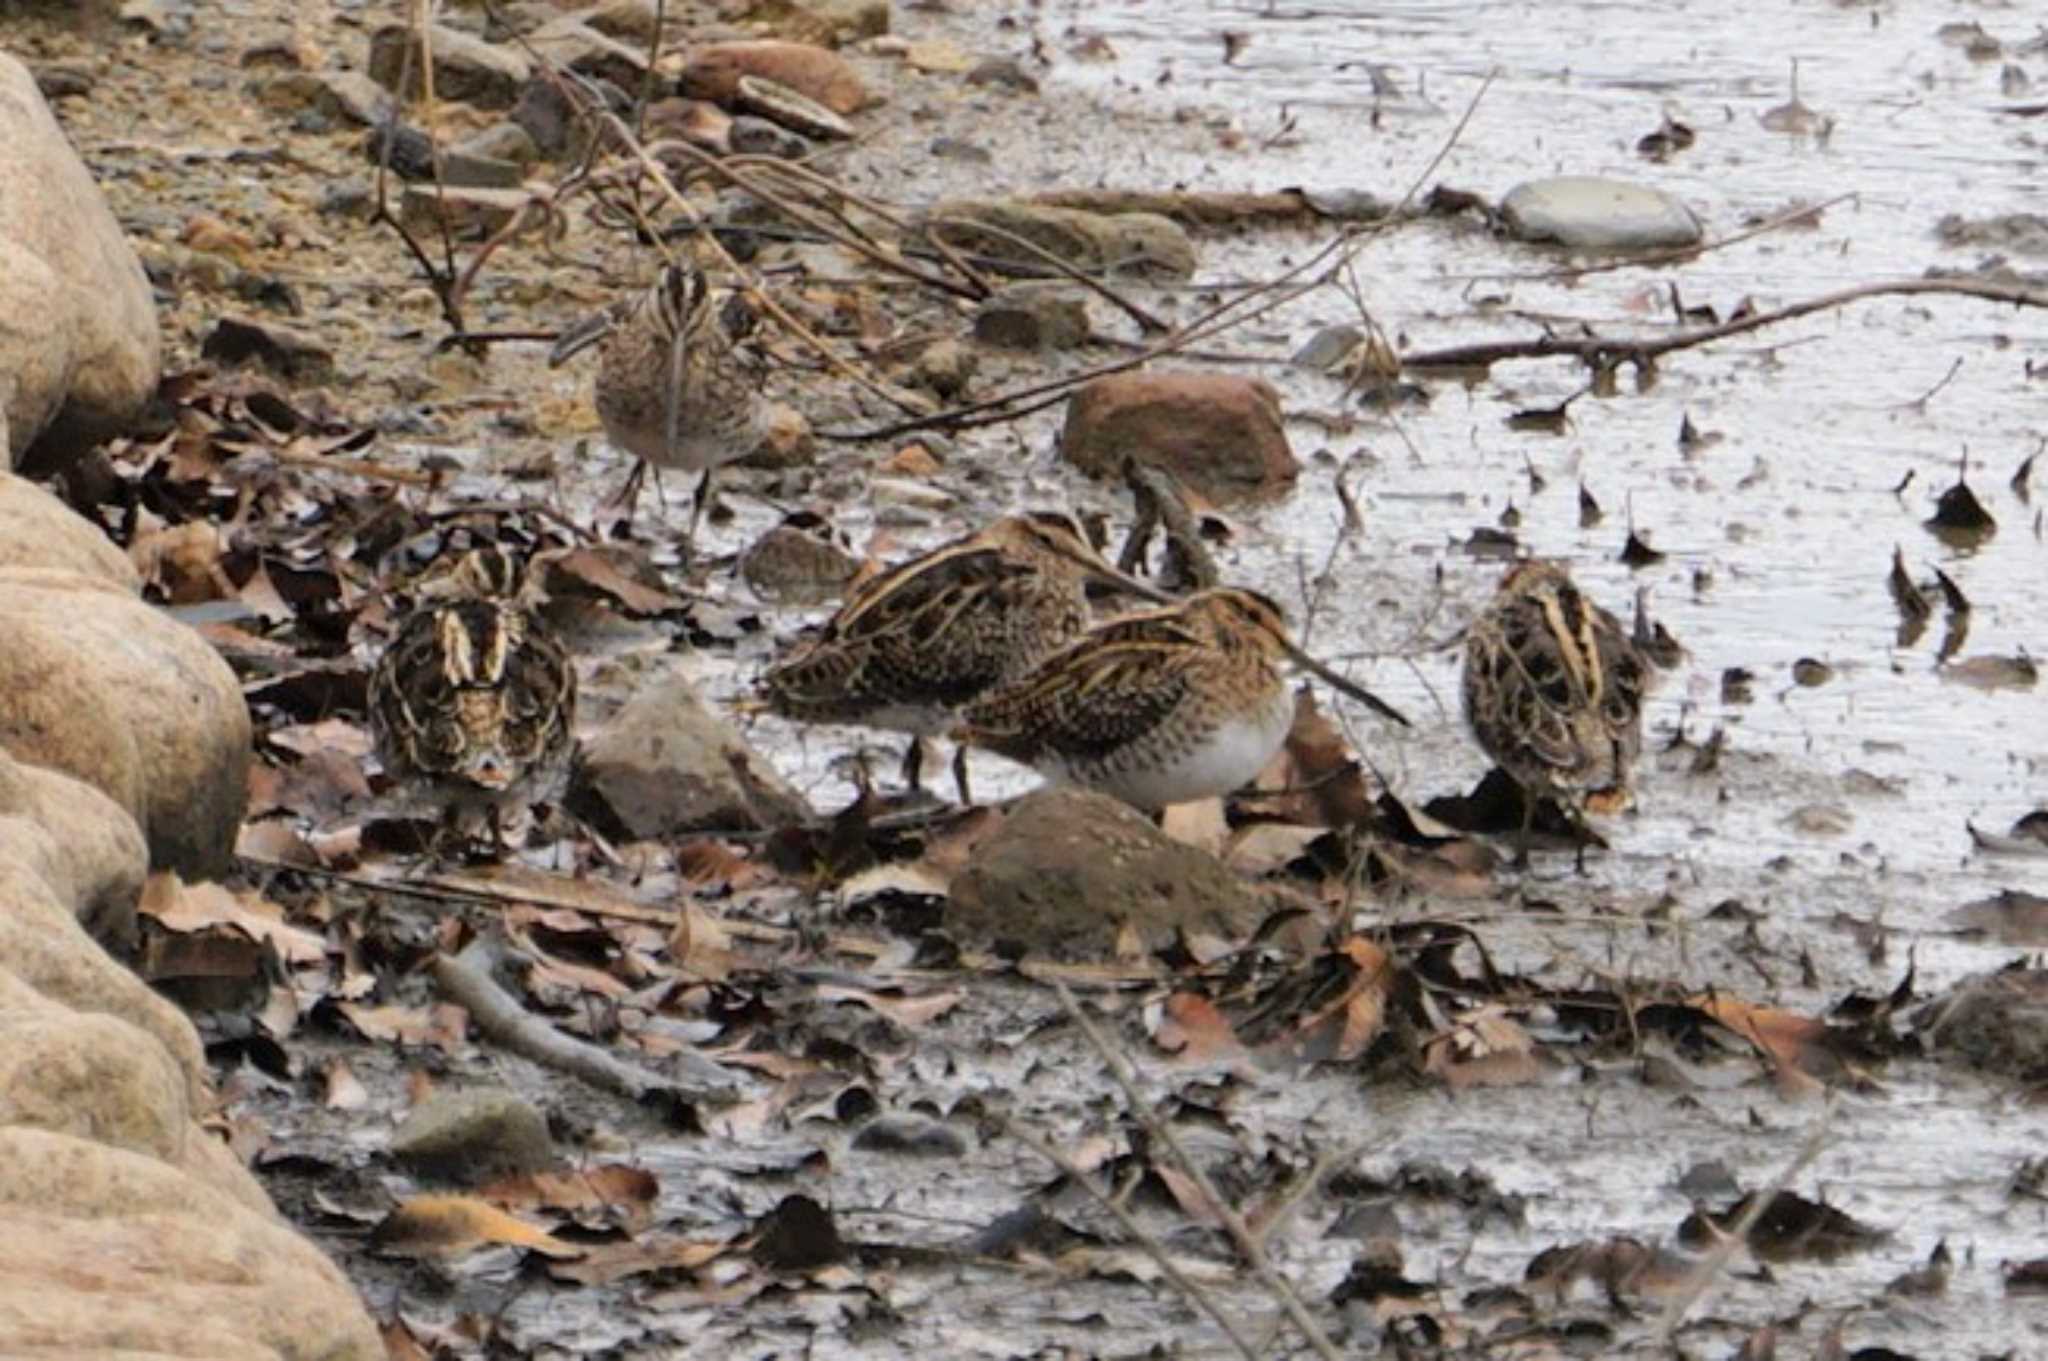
[
  {"x": 1554, "y": 692},
  {"x": 1156, "y": 707},
  {"x": 671, "y": 388},
  {"x": 473, "y": 701},
  {"x": 915, "y": 643}
]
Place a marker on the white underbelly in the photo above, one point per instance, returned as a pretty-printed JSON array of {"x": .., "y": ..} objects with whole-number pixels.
[{"x": 1228, "y": 759}]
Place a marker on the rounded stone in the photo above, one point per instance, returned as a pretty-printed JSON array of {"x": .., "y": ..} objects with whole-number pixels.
[
  {"x": 1070, "y": 872},
  {"x": 104, "y": 688},
  {"x": 1586, "y": 212},
  {"x": 79, "y": 351}
]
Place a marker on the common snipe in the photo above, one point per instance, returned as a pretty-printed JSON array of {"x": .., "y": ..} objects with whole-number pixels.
[
  {"x": 1155, "y": 707},
  {"x": 672, "y": 387},
  {"x": 915, "y": 643},
  {"x": 1554, "y": 692},
  {"x": 473, "y": 701}
]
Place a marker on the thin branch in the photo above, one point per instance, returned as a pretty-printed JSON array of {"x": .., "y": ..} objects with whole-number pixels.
[
  {"x": 1247, "y": 1243},
  {"x": 1705, "y": 1273},
  {"x": 1146, "y": 320},
  {"x": 1598, "y": 350},
  {"x": 1197, "y": 1296},
  {"x": 1223, "y": 316}
]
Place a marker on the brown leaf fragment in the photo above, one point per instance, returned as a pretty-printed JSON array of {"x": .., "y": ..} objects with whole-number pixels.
[
  {"x": 608, "y": 1192},
  {"x": 2017, "y": 672},
  {"x": 410, "y": 1026},
  {"x": 601, "y": 572},
  {"x": 1616, "y": 1265},
  {"x": 1322, "y": 778},
  {"x": 1913, "y": 605},
  {"x": 1187, "y": 1194},
  {"x": 2027, "y": 1278},
  {"x": 1791, "y": 1041},
  {"x": 1192, "y": 1028},
  {"x": 1636, "y": 552},
  {"x": 1486, "y": 1047},
  {"x": 1790, "y": 1228},
  {"x": 907, "y": 1010},
  {"x": 667, "y": 1256},
  {"x": 344, "y": 1091},
  {"x": 193, "y": 908},
  {"x": 700, "y": 947},
  {"x": 443, "y": 1226},
  {"x": 797, "y": 1235},
  {"x": 400, "y": 1343},
  {"x": 2010, "y": 916}
]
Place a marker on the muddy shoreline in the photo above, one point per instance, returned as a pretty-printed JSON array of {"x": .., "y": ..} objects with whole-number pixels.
[{"x": 1561, "y": 1061}]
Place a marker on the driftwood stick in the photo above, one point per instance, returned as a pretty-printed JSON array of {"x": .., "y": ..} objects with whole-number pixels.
[
  {"x": 466, "y": 978},
  {"x": 1603, "y": 351},
  {"x": 1193, "y": 208}
]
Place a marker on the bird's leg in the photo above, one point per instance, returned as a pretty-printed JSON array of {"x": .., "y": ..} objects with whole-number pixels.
[
  {"x": 1528, "y": 823},
  {"x": 629, "y": 493},
  {"x": 912, "y": 773},
  {"x": 960, "y": 775},
  {"x": 697, "y": 504}
]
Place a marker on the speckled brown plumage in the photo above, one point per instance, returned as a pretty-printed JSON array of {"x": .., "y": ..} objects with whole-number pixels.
[
  {"x": 472, "y": 702},
  {"x": 1157, "y": 707},
  {"x": 1553, "y": 689},
  {"x": 912, "y": 645},
  {"x": 672, "y": 387}
]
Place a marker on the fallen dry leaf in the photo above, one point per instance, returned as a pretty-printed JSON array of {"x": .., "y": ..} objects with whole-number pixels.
[
  {"x": 604, "y": 1263},
  {"x": 442, "y": 1226},
  {"x": 700, "y": 946},
  {"x": 343, "y": 1090},
  {"x": 601, "y": 573},
  {"x": 1346, "y": 1028},
  {"x": 1790, "y": 1040},
  {"x": 443, "y": 1025},
  {"x": 1486, "y": 1048},
  {"x": 193, "y": 908},
  {"x": 1192, "y": 1028},
  {"x": 608, "y": 1190},
  {"x": 1200, "y": 824},
  {"x": 907, "y": 1011}
]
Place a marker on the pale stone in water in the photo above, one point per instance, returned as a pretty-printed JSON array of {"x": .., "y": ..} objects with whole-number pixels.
[{"x": 1586, "y": 212}]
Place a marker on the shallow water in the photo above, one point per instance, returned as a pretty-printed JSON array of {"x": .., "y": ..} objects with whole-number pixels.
[
  {"x": 1779, "y": 533},
  {"x": 1779, "y": 536}
]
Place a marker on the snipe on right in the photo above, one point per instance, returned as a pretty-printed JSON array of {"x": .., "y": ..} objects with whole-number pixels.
[{"x": 1554, "y": 693}]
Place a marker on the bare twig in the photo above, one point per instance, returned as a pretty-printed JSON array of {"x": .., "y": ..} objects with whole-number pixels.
[
  {"x": 1607, "y": 351},
  {"x": 466, "y": 978},
  {"x": 1147, "y": 321},
  {"x": 1196, "y": 1295},
  {"x": 1248, "y": 1244},
  {"x": 440, "y": 278},
  {"x": 1234, "y": 311},
  {"x": 1705, "y": 1273}
]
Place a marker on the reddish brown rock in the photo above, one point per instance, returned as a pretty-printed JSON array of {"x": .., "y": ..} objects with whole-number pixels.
[
  {"x": 713, "y": 72},
  {"x": 1218, "y": 433}
]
